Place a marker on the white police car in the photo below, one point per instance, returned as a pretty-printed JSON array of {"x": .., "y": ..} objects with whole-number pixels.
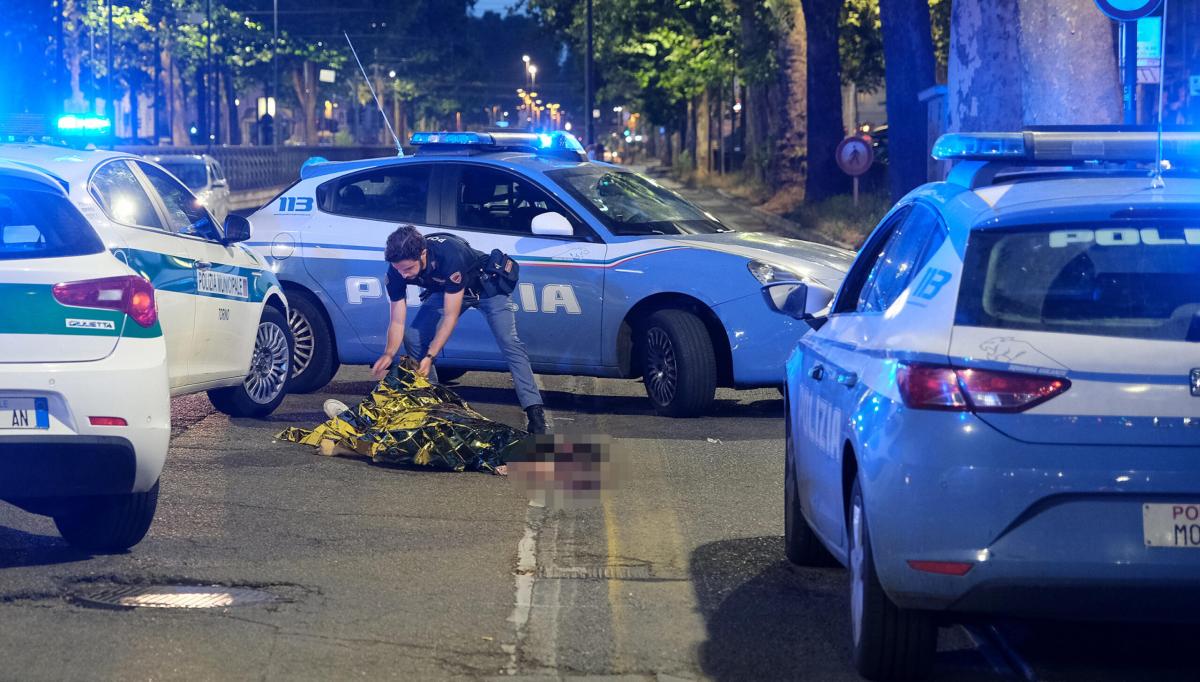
[
  {"x": 1001, "y": 411},
  {"x": 619, "y": 276},
  {"x": 222, "y": 310},
  {"x": 84, "y": 404}
]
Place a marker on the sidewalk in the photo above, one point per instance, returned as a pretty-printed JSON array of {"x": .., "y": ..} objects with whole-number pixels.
[{"x": 732, "y": 210}]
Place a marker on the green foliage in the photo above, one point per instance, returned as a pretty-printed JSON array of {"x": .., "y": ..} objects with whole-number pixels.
[
  {"x": 839, "y": 221},
  {"x": 861, "y": 45},
  {"x": 939, "y": 16}
]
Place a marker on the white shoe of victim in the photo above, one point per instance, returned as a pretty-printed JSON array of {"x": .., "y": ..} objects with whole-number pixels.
[{"x": 334, "y": 407}]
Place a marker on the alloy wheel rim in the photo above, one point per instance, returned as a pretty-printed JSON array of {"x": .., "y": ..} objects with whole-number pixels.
[
  {"x": 662, "y": 371},
  {"x": 303, "y": 341},
  {"x": 857, "y": 573},
  {"x": 269, "y": 365}
]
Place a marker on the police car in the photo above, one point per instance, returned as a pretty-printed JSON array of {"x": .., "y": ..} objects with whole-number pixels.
[
  {"x": 221, "y": 308},
  {"x": 619, "y": 276},
  {"x": 1000, "y": 413},
  {"x": 84, "y": 404}
]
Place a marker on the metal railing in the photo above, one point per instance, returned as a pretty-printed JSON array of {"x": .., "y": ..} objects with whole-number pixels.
[{"x": 254, "y": 169}]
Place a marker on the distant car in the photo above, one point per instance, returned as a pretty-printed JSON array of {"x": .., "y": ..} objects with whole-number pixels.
[
  {"x": 84, "y": 403},
  {"x": 1000, "y": 413},
  {"x": 620, "y": 277},
  {"x": 203, "y": 175},
  {"x": 221, "y": 308}
]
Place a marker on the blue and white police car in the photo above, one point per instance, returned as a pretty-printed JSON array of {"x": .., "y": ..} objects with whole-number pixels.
[
  {"x": 222, "y": 310},
  {"x": 1000, "y": 413},
  {"x": 619, "y": 276},
  {"x": 84, "y": 405}
]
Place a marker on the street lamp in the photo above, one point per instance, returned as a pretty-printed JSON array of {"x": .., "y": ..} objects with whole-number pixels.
[{"x": 532, "y": 68}]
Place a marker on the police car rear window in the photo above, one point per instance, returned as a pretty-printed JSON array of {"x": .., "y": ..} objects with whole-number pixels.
[
  {"x": 39, "y": 224},
  {"x": 1127, "y": 279}
]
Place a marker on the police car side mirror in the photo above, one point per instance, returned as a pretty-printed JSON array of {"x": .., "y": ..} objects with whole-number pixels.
[
  {"x": 237, "y": 229},
  {"x": 798, "y": 300},
  {"x": 552, "y": 224}
]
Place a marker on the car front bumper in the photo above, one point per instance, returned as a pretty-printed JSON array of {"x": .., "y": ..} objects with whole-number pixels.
[{"x": 760, "y": 340}]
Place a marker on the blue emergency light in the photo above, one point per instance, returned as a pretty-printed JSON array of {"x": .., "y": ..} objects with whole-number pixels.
[
  {"x": 1069, "y": 146},
  {"x": 86, "y": 125},
  {"x": 558, "y": 144}
]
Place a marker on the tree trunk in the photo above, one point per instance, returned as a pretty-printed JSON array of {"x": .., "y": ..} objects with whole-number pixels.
[
  {"x": 704, "y": 135},
  {"x": 235, "y": 123},
  {"x": 177, "y": 110},
  {"x": 308, "y": 106},
  {"x": 984, "y": 81},
  {"x": 1068, "y": 66},
  {"x": 908, "y": 52},
  {"x": 790, "y": 128},
  {"x": 824, "y": 179},
  {"x": 135, "y": 81},
  {"x": 690, "y": 133}
]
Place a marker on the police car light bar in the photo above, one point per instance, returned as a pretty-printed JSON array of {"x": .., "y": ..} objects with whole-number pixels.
[
  {"x": 1067, "y": 147},
  {"x": 558, "y": 143}
]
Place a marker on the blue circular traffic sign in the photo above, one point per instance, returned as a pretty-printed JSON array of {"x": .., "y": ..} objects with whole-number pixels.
[{"x": 1128, "y": 10}]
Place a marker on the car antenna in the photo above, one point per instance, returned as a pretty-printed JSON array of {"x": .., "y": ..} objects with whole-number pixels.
[
  {"x": 399, "y": 149},
  {"x": 1156, "y": 177}
]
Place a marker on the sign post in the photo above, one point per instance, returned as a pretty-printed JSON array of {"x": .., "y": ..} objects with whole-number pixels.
[
  {"x": 854, "y": 156},
  {"x": 1128, "y": 12}
]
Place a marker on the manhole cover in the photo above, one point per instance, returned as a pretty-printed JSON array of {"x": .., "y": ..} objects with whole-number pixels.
[{"x": 173, "y": 596}]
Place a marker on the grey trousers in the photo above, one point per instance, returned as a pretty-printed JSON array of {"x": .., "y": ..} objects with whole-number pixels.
[{"x": 501, "y": 315}]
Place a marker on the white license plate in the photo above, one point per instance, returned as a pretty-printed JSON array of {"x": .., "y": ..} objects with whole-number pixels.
[{"x": 1171, "y": 525}]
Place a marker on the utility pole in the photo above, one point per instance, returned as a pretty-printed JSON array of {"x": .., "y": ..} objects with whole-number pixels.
[
  {"x": 208, "y": 87},
  {"x": 275, "y": 67},
  {"x": 588, "y": 85},
  {"x": 110, "y": 104}
]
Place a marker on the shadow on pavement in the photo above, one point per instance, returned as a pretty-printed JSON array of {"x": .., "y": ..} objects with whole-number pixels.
[
  {"x": 1107, "y": 651},
  {"x": 769, "y": 620},
  {"x": 19, "y": 548}
]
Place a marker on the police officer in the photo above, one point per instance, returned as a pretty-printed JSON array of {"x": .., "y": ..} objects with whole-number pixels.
[{"x": 449, "y": 270}]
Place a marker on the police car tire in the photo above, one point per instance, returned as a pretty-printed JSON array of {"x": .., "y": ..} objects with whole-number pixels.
[
  {"x": 108, "y": 523},
  {"x": 891, "y": 643},
  {"x": 235, "y": 401},
  {"x": 696, "y": 364},
  {"x": 800, "y": 544},
  {"x": 323, "y": 364}
]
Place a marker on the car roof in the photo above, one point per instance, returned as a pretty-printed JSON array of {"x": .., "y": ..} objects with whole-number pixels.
[
  {"x": 1066, "y": 196},
  {"x": 24, "y": 172},
  {"x": 523, "y": 160},
  {"x": 67, "y": 165}
]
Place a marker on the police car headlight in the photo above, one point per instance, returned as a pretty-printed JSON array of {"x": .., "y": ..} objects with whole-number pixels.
[{"x": 768, "y": 273}]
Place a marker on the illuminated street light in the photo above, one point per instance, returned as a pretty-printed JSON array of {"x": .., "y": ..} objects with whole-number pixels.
[
  {"x": 532, "y": 74},
  {"x": 392, "y": 73},
  {"x": 525, "y": 58}
]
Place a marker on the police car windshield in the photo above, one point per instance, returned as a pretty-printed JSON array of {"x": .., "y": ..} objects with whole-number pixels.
[
  {"x": 191, "y": 173},
  {"x": 1125, "y": 280},
  {"x": 628, "y": 204}
]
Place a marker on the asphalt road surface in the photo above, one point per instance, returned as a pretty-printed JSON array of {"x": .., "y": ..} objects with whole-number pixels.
[{"x": 677, "y": 573}]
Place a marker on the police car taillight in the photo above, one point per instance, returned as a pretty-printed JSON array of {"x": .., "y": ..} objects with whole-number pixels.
[
  {"x": 131, "y": 295},
  {"x": 934, "y": 387}
]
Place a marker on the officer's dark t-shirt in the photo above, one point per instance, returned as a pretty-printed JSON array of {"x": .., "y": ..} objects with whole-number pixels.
[{"x": 451, "y": 266}]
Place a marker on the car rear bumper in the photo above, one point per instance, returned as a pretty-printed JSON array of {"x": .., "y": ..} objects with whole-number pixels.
[
  {"x": 66, "y": 466},
  {"x": 1047, "y": 529},
  {"x": 130, "y": 384}
]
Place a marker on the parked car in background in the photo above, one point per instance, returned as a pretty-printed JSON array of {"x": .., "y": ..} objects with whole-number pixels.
[
  {"x": 204, "y": 176},
  {"x": 84, "y": 402}
]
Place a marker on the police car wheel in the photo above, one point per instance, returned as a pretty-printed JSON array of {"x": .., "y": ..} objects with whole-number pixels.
[
  {"x": 314, "y": 361},
  {"x": 679, "y": 367},
  {"x": 888, "y": 642},
  {"x": 800, "y": 543},
  {"x": 107, "y": 523},
  {"x": 266, "y": 384}
]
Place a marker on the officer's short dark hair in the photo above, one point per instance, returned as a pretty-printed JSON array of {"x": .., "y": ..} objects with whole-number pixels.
[{"x": 406, "y": 243}]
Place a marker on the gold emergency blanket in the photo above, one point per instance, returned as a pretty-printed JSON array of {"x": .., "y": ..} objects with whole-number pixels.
[{"x": 408, "y": 420}]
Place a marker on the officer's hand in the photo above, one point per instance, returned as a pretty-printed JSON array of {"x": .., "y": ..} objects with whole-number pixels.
[
  {"x": 426, "y": 365},
  {"x": 380, "y": 369}
]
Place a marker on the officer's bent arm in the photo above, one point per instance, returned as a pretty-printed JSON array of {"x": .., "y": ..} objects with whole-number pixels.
[
  {"x": 395, "y": 332},
  {"x": 450, "y": 313}
]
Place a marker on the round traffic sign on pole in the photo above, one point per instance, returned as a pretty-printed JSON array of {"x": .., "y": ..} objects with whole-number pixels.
[
  {"x": 854, "y": 156},
  {"x": 1128, "y": 10}
]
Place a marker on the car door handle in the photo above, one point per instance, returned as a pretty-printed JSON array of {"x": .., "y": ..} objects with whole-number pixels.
[
  {"x": 817, "y": 372},
  {"x": 202, "y": 265},
  {"x": 849, "y": 379}
]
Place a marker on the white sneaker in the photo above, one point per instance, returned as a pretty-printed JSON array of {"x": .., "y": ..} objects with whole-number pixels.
[{"x": 334, "y": 407}]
